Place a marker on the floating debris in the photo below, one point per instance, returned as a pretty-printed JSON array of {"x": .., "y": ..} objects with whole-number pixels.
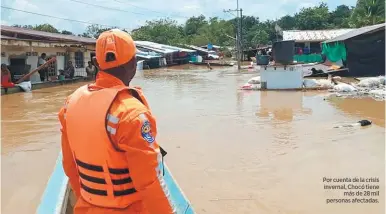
[
  {"x": 359, "y": 123},
  {"x": 368, "y": 87},
  {"x": 254, "y": 80}
]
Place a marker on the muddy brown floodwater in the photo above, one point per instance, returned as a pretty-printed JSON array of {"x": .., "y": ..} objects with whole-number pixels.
[{"x": 231, "y": 151}]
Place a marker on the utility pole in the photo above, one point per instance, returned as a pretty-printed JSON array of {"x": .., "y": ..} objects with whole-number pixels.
[
  {"x": 241, "y": 35},
  {"x": 238, "y": 34}
]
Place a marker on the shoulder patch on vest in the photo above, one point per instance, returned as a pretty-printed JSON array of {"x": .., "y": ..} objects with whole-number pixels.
[{"x": 146, "y": 130}]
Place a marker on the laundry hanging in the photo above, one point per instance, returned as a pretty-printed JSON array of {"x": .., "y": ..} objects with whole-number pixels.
[{"x": 334, "y": 52}]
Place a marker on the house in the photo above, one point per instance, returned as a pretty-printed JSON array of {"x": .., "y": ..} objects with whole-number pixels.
[
  {"x": 309, "y": 40},
  {"x": 215, "y": 48},
  {"x": 151, "y": 59},
  {"x": 365, "y": 50},
  {"x": 172, "y": 54},
  {"x": 200, "y": 51},
  {"x": 20, "y": 49}
]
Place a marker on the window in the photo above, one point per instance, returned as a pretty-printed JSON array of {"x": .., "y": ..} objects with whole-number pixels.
[{"x": 79, "y": 59}]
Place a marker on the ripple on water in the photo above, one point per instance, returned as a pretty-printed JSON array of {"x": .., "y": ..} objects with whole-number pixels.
[{"x": 260, "y": 145}]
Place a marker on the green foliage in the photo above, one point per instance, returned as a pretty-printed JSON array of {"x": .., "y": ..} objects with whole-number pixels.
[
  {"x": 193, "y": 25},
  {"x": 93, "y": 31},
  {"x": 368, "y": 12},
  {"x": 201, "y": 30},
  {"x": 315, "y": 18},
  {"x": 43, "y": 27},
  {"x": 340, "y": 17},
  {"x": 165, "y": 31},
  {"x": 287, "y": 22},
  {"x": 260, "y": 37},
  {"x": 215, "y": 32},
  {"x": 46, "y": 28},
  {"x": 65, "y": 32}
]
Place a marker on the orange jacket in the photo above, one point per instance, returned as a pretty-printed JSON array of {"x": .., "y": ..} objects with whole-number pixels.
[{"x": 122, "y": 136}]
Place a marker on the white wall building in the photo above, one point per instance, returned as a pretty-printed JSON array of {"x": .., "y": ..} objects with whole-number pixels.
[
  {"x": 312, "y": 38},
  {"x": 21, "y": 48}
]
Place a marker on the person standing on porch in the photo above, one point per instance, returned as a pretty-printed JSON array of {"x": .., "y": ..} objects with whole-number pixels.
[
  {"x": 90, "y": 70},
  {"x": 43, "y": 71}
]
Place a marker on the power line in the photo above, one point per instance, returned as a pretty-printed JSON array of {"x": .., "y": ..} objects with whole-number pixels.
[
  {"x": 104, "y": 7},
  {"x": 55, "y": 17},
  {"x": 145, "y": 8},
  {"x": 116, "y": 9}
]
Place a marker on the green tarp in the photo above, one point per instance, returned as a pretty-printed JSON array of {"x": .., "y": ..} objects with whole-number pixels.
[
  {"x": 335, "y": 51},
  {"x": 308, "y": 58}
]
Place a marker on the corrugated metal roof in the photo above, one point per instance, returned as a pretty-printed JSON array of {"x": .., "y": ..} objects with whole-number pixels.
[
  {"x": 313, "y": 35},
  {"x": 166, "y": 48},
  {"x": 147, "y": 55},
  {"x": 198, "y": 48},
  {"x": 46, "y": 35},
  {"x": 178, "y": 48},
  {"x": 357, "y": 32},
  {"x": 154, "y": 47}
]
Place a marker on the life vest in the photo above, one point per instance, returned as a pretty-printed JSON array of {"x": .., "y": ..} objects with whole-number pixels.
[{"x": 103, "y": 169}]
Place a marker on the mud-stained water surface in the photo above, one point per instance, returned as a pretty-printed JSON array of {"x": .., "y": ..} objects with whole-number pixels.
[{"x": 231, "y": 151}]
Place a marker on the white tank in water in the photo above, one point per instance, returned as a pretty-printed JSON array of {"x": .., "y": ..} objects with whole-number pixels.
[{"x": 290, "y": 77}]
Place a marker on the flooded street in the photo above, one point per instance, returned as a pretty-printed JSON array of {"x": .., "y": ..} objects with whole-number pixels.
[{"x": 231, "y": 151}]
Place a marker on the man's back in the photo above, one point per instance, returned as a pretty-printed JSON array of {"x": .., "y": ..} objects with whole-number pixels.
[{"x": 131, "y": 130}]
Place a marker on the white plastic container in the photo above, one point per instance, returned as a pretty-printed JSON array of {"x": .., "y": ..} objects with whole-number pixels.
[{"x": 282, "y": 78}]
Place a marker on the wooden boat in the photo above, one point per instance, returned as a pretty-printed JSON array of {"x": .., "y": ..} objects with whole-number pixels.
[{"x": 58, "y": 197}]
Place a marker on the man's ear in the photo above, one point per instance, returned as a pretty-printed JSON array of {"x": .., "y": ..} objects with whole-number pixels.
[{"x": 95, "y": 62}]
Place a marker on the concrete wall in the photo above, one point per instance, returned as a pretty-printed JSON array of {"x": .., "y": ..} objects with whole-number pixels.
[
  {"x": 20, "y": 52},
  {"x": 81, "y": 71},
  {"x": 17, "y": 50}
]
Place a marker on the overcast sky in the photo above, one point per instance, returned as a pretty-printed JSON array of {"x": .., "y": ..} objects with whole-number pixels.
[{"x": 135, "y": 12}]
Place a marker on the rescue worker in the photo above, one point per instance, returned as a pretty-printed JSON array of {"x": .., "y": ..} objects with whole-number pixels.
[{"x": 108, "y": 138}]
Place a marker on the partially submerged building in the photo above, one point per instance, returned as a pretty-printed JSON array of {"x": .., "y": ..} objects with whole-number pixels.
[
  {"x": 21, "y": 48},
  {"x": 151, "y": 59},
  {"x": 309, "y": 40},
  {"x": 363, "y": 48},
  {"x": 215, "y": 48},
  {"x": 173, "y": 55},
  {"x": 200, "y": 51}
]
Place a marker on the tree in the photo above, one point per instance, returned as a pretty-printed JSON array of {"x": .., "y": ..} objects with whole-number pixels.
[
  {"x": 313, "y": 18},
  {"x": 199, "y": 30},
  {"x": 217, "y": 31},
  {"x": 340, "y": 16},
  {"x": 368, "y": 12},
  {"x": 193, "y": 24},
  {"x": 287, "y": 22},
  {"x": 165, "y": 31},
  {"x": 65, "y": 32},
  {"x": 260, "y": 37},
  {"x": 42, "y": 27},
  {"x": 269, "y": 27},
  {"x": 46, "y": 28},
  {"x": 93, "y": 31}
]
